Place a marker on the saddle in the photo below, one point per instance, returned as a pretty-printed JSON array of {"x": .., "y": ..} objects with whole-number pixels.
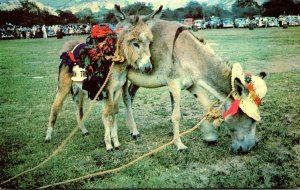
[{"x": 87, "y": 61}]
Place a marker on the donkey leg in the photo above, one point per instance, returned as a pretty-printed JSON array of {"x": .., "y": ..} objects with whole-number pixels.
[
  {"x": 108, "y": 120},
  {"x": 114, "y": 130},
  {"x": 209, "y": 133},
  {"x": 132, "y": 90},
  {"x": 175, "y": 90},
  {"x": 78, "y": 96},
  {"x": 64, "y": 86},
  {"x": 130, "y": 123}
]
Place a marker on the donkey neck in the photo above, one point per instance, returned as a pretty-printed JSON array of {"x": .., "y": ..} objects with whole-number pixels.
[{"x": 216, "y": 73}]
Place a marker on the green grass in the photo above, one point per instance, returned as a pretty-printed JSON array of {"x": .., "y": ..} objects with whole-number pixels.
[{"x": 26, "y": 101}]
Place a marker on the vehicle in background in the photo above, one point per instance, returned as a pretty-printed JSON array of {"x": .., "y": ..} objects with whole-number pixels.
[
  {"x": 214, "y": 22},
  {"x": 188, "y": 23},
  {"x": 51, "y": 33},
  {"x": 227, "y": 23},
  {"x": 5, "y": 34},
  {"x": 272, "y": 22},
  {"x": 292, "y": 20},
  {"x": 240, "y": 23},
  {"x": 111, "y": 26},
  {"x": 200, "y": 24},
  {"x": 180, "y": 21}
]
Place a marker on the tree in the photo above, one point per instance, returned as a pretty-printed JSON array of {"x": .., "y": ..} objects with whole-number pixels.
[
  {"x": 139, "y": 8},
  {"x": 193, "y": 10},
  {"x": 84, "y": 15},
  {"x": 279, "y": 7},
  {"x": 245, "y": 8},
  {"x": 67, "y": 17}
]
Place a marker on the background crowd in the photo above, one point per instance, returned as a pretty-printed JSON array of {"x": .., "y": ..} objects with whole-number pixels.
[{"x": 10, "y": 31}]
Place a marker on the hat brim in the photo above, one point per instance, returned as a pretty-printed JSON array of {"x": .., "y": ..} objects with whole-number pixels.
[{"x": 247, "y": 104}]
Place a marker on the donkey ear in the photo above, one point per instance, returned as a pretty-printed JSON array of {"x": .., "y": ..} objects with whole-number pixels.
[
  {"x": 240, "y": 88},
  {"x": 262, "y": 74},
  {"x": 119, "y": 14},
  {"x": 153, "y": 16}
]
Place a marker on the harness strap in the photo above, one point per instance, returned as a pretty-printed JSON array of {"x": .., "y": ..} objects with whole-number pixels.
[{"x": 178, "y": 32}]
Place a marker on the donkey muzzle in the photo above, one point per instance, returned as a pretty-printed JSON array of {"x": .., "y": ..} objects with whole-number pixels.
[{"x": 145, "y": 67}]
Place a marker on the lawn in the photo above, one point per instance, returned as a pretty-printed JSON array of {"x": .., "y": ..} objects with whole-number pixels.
[{"x": 28, "y": 78}]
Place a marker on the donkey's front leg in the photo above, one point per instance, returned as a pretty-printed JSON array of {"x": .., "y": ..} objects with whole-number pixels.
[
  {"x": 114, "y": 130},
  {"x": 175, "y": 90},
  {"x": 209, "y": 133},
  {"x": 108, "y": 120},
  {"x": 127, "y": 98}
]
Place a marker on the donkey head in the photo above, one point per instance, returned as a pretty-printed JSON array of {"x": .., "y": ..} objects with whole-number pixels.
[
  {"x": 135, "y": 37},
  {"x": 249, "y": 91}
]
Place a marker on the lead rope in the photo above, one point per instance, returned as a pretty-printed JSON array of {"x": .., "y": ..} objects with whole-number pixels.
[
  {"x": 211, "y": 114},
  {"x": 115, "y": 58}
]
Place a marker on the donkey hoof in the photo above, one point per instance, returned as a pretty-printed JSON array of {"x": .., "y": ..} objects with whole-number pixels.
[
  {"x": 85, "y": 134},
  {"x": 136, "y": 137},
  {"x": 211, "y": 142},
  {"x": 47, "y": 141},
  {"x": 110, "y": 151},
  {"x": 118, "y": 148}
]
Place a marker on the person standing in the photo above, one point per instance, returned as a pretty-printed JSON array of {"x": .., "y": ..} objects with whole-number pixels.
[{"x": 44, "y": 31}]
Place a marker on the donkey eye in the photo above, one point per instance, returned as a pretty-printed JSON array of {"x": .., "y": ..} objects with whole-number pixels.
[{"x": 136, "y": 45}]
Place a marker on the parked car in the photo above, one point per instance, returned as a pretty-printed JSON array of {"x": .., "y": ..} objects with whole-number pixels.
[
  {"x": 292, "y": 20},
  {"x": 5, "y": 34},
  {"x": 189, "y": 23},
  {"x": 227, "y": 23},
  {"x": 180, "y": 21},
  {"x": 240, "y": 23},
  {"x": 214, "y": 22},
  {"x": 200, "y": 24},
  {"x": 272, "y": 22}
]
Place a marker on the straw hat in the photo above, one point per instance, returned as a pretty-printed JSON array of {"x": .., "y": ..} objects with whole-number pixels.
[{"x": 254, "y": 92}]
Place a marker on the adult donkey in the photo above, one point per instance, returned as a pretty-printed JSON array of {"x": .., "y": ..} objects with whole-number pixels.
[
  {"x": 181, "y": 61},
  {"x": 132, "y": 44}
]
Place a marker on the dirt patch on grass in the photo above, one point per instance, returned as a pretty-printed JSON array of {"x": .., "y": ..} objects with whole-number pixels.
[{"x": 283, "y": 65}]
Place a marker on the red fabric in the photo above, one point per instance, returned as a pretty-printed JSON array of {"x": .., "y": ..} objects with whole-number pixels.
[
  {"x": 233, "y": 108},
  {"x": 100, "y": 31},
  {"x": 71, "y": 55}
]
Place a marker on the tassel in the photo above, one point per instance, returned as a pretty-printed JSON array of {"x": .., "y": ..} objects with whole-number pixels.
[{"x": 233, "y": 108}]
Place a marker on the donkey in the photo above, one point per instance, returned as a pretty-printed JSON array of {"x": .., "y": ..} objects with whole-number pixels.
[
  {"x": 183, "y": 62},
  {"x": 133, "y": 44}
]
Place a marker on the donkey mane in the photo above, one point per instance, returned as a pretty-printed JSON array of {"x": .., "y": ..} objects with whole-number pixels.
[{"x": 69, "y": 45}]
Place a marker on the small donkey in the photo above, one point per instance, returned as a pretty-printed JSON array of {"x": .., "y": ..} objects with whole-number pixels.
[{"x": 133, "y": 43}]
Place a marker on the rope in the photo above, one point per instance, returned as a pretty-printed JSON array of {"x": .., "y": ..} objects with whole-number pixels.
[
  {"x": 74, "y": 130},
  {"x": 210, "y": 114}
]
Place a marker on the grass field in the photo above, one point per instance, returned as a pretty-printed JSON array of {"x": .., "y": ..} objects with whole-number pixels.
[{"x": 28, "y": 76}]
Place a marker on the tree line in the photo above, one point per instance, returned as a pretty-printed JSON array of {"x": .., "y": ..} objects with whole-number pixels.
[{"x": 29, "y": 13}]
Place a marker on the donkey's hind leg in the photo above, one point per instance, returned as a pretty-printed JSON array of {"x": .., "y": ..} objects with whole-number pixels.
[
  {"x": 128, "y": 95},
  {"x": 63, "y": 88},
  {"x": 78, "y": 96},
  {"x": 209, "y": 133}
]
